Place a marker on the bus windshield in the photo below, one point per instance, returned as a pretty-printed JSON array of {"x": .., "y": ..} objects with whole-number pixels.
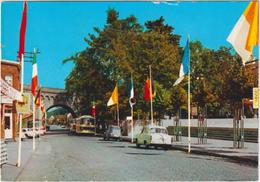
[{"x": 86, "y": 120}]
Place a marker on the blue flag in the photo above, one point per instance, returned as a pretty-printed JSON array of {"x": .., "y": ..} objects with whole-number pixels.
[{"x": 185, "y": 65}]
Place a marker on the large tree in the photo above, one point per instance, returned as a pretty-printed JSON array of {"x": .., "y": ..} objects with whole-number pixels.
[{"x": 124, "y": 47}]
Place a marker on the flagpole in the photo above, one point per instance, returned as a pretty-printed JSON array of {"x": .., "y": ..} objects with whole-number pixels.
[
  {"x": 20, "y": 116},
  {"x": 21, "y": 57},
  {"x": 117, "y": 105},
  {"x": 34, "y": 112},
  {"x": 39, "y": 118},
  {"x": 33, "y": 123},
  {"x": 151, "y": 96},
  {"x": 39, "y": 113},
  {"x": 132, "y": 111},
  {"x": 132, "y": 124},
  {"x": 189, "y": 122},
  {"x": 22, "y": 72}
]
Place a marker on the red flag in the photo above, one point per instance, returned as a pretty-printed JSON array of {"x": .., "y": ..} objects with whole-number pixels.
[
  {"x": 38, "y": 99},
  {"x": 22, "y": 31},
  {"x": 93, "y": 111},
  {"x": 147, "y": 96}
]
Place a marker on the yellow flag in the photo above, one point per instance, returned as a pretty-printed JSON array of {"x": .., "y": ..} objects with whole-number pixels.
[
  {"x": 114, "y": 97},
  {"x": 255, "y": 97},
  {"x": 244, "y": 35}
]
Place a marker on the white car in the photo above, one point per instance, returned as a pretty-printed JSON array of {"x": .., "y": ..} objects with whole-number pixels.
[
  {"x": 154, "y": 136},
  {"x": 42, "y": 130},
  {"x": 28, "y": 132},
  {"x": 113, "y": 132}
]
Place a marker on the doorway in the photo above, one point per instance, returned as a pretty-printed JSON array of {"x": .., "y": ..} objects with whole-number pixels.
[{"x": 8, "y": 125}]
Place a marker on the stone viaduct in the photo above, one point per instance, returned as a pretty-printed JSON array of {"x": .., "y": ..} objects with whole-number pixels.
[{"x": 53, "y": 97}]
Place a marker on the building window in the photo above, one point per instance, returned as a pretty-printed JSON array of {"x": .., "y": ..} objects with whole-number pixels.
[
  {"x": 8, "y": 110},
  {"x": 9, "y": 79}
]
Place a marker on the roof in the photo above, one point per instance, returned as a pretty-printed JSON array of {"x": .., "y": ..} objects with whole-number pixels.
[
  {"x": 10, "y": 62},
  {"x": 114, "y": 126},
  {"x": 86, "y": 116},
  {"x": 154, "y": 126}
]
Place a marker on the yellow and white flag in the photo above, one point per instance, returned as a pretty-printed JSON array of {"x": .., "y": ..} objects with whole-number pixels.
[
  {"x": 114, "y": 97},
  {"x": 244, "y": 35}
]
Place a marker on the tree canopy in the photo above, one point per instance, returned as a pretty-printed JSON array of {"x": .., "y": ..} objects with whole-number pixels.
[{"x": 124, "y": 47}]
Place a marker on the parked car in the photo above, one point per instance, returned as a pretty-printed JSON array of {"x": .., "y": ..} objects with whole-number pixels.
[
  {"x": 37, "y": 123},
  {"x": 28, "y": 132},
  {"x": 22, "y": 135},
  {"x": 113, "y": 132},
  {"x": 72, "y": 129},
  {"x": 42, "y": 130},
  {"x": 156, "y": 136}
]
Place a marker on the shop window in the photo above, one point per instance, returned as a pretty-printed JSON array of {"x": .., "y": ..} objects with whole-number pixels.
[{"x": 9, "y": 79}]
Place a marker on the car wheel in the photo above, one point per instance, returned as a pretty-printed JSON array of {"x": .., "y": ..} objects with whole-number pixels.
[
  {"x": 145, "y": 144},
  {"x": 137, "y": 144}
]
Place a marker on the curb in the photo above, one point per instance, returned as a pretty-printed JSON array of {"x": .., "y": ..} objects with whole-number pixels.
[
  {"x": 243, "y": 160},
  {"x": 237, "y": 159}
]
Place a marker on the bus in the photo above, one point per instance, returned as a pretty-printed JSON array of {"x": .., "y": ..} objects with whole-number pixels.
[{"x": 85, "y": 125}]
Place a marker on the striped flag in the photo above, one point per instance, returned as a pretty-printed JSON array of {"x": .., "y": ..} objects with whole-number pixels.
[
  {"x": 22, "y": 32},
  {"x": 34, "y": 84},
  {"x": 114, "y": 97},
  {"x": 185, "y": 63},
  {"x": 244, "y": 35}
]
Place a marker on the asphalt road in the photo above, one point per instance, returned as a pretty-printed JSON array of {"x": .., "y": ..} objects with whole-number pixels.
[{"x": 73, "y": 158}]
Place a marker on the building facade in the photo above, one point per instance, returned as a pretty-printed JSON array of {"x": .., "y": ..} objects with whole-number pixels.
[{"x": 10, "y": 73}]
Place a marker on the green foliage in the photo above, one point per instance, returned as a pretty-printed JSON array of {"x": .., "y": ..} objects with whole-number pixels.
[{"x": 124, "y": 47}]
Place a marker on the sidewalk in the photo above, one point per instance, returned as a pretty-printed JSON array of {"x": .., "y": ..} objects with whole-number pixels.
[
  {"x": 10, "y": 171},
  {"x": 219, "y": 148}
]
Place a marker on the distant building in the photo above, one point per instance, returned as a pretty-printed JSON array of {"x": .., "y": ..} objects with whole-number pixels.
[
  {"x": 252, "y": 68},
  {"x": 10, "y": 73}
]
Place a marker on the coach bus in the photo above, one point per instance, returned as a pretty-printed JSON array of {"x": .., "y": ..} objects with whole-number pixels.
[{"x": 85, "y": 125}]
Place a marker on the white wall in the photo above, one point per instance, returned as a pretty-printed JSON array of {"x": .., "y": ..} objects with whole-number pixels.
[{"x": 225, "y": 123}]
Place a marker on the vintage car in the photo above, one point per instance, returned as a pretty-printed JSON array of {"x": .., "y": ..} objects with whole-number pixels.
[
  {"x": 28, "y": 132},
  {"x": 38, "y": 125},
  {"x": 72, "y": 129},
  {"x": 42, "y": 130},
  {"x": 113, "y": 132},
  {"x": 156, "y": 136}
]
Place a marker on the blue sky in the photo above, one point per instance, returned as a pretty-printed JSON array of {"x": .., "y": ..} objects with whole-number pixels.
[{"x": 57, "y": 29}]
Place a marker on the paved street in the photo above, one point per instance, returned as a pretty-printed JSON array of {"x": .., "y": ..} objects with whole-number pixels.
[{"x": 62, "y": 157}]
